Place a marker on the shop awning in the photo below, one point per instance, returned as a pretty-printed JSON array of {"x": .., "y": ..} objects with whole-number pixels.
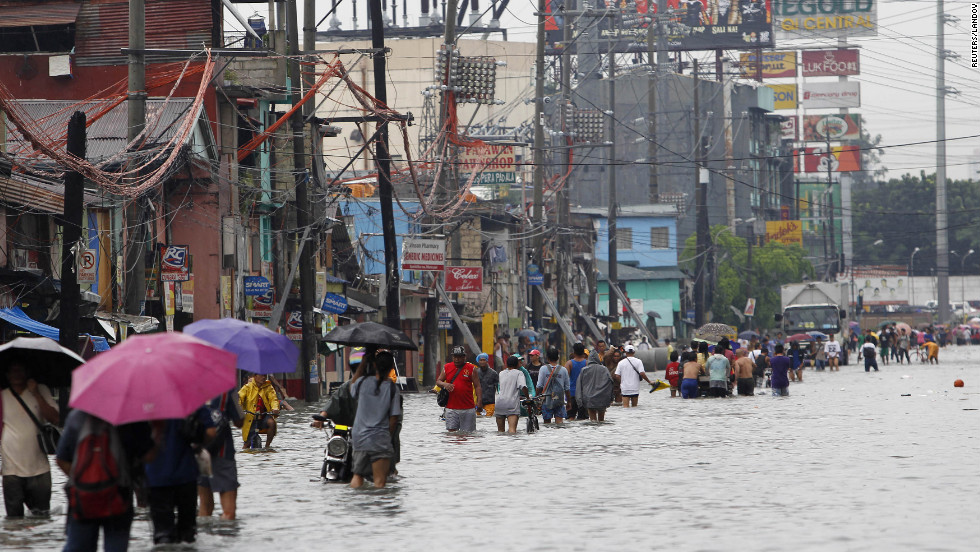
[
  {"x": 19, "y": 318},
  {"x": 139, "y": 324},
  {"x": 36, "y": 14}
]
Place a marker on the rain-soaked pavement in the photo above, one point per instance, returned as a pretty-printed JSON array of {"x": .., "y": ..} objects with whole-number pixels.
[{"x": 850, "y": 461}]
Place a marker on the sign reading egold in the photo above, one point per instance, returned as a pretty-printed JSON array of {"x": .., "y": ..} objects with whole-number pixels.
[{"x": 806, "y": 19}]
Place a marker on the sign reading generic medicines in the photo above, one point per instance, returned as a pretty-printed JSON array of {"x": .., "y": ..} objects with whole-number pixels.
[{"x": 808, "y": 19}]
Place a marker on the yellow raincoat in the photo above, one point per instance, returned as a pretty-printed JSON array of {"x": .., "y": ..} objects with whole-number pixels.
[{"x": 248, "y": 397}]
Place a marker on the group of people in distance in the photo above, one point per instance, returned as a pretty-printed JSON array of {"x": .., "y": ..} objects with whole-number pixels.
[{"x": 582, "y": 387}]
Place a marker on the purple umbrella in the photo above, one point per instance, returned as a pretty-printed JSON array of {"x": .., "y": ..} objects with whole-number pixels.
[{"x": 259, "y": 349}]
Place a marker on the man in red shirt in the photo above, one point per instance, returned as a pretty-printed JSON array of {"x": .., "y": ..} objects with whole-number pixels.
[{"x": 460, "y": 379}]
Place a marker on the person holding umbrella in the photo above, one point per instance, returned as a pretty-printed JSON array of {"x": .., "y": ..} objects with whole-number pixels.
[{"x": 26, "y": 470}]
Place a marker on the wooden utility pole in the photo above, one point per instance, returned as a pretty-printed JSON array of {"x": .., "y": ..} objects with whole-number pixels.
[
  {"x": 71, "y": 236},
  {"x": 136, "y": 236},
  {"x": 307, "y": 287},
  {"x": 383, "y": 157},
  {"x": 563, "y": 252},
  {"x": 701, "y": 200},
  {"x": 537, "y": 304},
  {"x": 613, "y": 201}
]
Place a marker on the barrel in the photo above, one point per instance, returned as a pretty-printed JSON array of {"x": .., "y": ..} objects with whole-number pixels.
[{"x": 654, "y": 359}]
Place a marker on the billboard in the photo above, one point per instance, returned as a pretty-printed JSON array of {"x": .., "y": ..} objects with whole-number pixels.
[
  {"x": 461, "y": 279},
  {"x": 844, "y": 126},
  {"x": 493, "y": 164},
  {"x": 775, "y": 65},
  {"x": 813, "y": 205},
  {"x": 174, "y": 263},
  {"x": 422, "y": 254},
  {"x": 789, "y": 129},
  {"x": 830, "y": 94},
  {"x": 815, "y": 19},
  {"x": 830, "y": 63},
  {"x": 784, "y": 96},
  {"x": 692, "y": 24},
  {"x": 841, "y": 159},
  {"x": 786, "y": 232}
]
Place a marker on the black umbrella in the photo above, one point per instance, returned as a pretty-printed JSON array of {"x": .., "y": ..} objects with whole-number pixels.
[
  {"x": 44, "y": 360},
  {"x": 370, "y": 333},
  {"x": 653, "y": 314}
]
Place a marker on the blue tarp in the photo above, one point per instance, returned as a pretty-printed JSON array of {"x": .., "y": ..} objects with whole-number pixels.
[{"x": 20, "y": 319}]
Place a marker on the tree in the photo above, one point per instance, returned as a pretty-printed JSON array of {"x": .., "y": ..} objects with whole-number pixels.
[{"x": 773, "y": 265}]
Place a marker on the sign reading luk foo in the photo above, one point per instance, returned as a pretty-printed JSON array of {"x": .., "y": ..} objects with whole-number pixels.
[
  {"x": 831, "y": 63},
  {"x": 461, "y": 279},
  {"x": 423, "y": 254},
  {"x": 774, "y": 64},
  {"x": 809, "y": 19},
  {"x": 786, "y": 232}
]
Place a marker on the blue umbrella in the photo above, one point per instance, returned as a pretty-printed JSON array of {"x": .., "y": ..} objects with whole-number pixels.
[
  {"x": 259, "y": 349},
  {"x": 815, "y": 334}
]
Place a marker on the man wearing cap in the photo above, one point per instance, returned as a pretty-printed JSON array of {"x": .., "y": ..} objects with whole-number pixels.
[
  {"x": 461, "y": 410},
  {"x": 488, "y": 382},
  {"x": 629, "y": 372}
]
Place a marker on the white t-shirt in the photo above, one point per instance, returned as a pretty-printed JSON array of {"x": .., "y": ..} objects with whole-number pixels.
[
  {"x": 832, "y": 348},
  {"x": 22, "y": 456},
  {"x": 508, "y": 399},
  {"x": 754, "y": 354},
  {"x": 629, "y": 370},
  {"x": 869, "y": 349}
]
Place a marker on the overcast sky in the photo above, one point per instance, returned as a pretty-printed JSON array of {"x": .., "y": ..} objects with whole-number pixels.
[{"x": 898, "y": 76}]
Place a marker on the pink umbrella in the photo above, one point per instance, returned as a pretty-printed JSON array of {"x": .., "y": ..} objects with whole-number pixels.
[
  {"x": 152, "y": 377},
  {"x": 903, "y": 326}
]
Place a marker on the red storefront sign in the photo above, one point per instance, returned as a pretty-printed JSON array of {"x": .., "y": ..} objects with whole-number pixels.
[
  {"x": 830, "y": 63},
  {"x": 464, "y": 279}
]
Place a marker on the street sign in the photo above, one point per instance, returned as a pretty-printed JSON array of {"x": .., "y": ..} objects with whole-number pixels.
[
  {"x": 445, "y": 318},
  {"x": 87, "y": 264}
]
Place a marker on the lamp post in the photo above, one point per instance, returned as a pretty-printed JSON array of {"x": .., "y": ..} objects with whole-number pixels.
[
  {"x": 963, "y": 280},
  {"x": 911, "y": 275}
]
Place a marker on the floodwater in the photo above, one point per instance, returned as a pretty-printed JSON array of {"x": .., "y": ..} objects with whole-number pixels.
[{"x": 850, "y": 461}]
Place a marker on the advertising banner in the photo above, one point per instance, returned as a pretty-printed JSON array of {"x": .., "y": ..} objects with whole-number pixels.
[
  {"x": 692, "y": 25},
  {"x": 173, "y": 263},
  {"x": 841, "y": 159},
  {"x": 784, "y": 96},
  {"x": 831, "y": 63},
  {"x": 818, "y": 128},
  {"x": 749, "y": 307},
  {"x": 830, "y": 94},
  {"x": 294, "y": 325},
  {"x": 494, "y": 165},
  {"x": 256, "y": 285},
  {"x": 462, "y": 279},
  {"x": 786, "y": 232},
  {"x": 534, "y": 276},
  {"x": 815, "y": 19},
  {"x": 260, "y": 306},
  {"x": 423, "y": 254},
  {"x": 789, "y": 129},
  {"x": 775, "y": 65},
  {"x": 187, "y": 296},
  {"x": 333, "y": 303}
]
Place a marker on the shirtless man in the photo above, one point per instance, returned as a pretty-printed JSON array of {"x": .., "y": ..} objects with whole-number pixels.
[
  {"x": 691, "y": 370},
  {"x": 743, "y": 371}
]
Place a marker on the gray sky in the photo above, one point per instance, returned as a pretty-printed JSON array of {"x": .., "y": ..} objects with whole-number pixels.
[{"x": 898, "y": 72}]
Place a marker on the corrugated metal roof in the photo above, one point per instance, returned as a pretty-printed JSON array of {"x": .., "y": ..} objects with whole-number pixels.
[
  {"x": 103, "y": 28},
  {"x": 106, "y": 137},
  {"x": 39, "y": 196},
  {"x": 38, "y": 13}
]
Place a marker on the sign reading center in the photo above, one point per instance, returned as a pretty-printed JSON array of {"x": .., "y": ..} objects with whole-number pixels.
[{"x": 423, "y": 254}]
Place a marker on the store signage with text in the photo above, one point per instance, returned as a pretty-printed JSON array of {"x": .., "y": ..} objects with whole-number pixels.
[
  {"x": 786, "y": 232},
  {"x": 423, "y": 254},
  {"x": 174, "y": 263},
  {"x": 812, "y": 19},
  {"x": 830, "y": 63},
  {"x": 844, "y": 126},
  {"x": 461, "y": 279},
  {"x": 784, "y": 96},
  {"x": 774, "y": 65},
  {"x": 842, "y": 159},
  {"x": 830, "y": 94}
]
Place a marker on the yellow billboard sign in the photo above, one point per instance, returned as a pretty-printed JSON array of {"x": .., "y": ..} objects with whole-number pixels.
[
  {"x": 784, "y": 96},
  {"x": 774, "y": 65},
  {"x": 786, "y": 232}
]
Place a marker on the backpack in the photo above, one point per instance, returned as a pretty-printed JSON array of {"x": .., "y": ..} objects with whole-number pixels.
[
  {"x": 342, "y": 406},
  {"x": 99, "y": 481}
]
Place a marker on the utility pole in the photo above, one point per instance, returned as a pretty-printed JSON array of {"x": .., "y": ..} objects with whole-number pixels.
[
  {"x": 136, "y": 239},
  {"x": 71, "y": 236},
  {"x": 655, "y": 37},
  {"x": 383, "y": 156},
  {"x": 832, "y": 255},
  {"x": 726, "y": 100},
  {"x": 613, "y": 201},
  {"x": 563, "y": 252},
  {"x": 942, "y": 235},
  {"x": 701, "y": 200},
  {"x": 537, "y": 304},
  {"x": 301, "y": 175}
]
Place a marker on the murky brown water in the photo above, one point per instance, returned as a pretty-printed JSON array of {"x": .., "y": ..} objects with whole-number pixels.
[{"x": 845, "y": 463}]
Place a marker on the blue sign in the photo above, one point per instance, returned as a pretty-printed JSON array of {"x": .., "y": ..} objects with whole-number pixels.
[
  {"x": 334, "y": 303},
  {"x": 534, "y": 276},
  {"x": 256, "y": 285}
]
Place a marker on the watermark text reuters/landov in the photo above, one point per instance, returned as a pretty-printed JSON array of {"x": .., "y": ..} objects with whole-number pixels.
[{"x": 974, "y": 36}]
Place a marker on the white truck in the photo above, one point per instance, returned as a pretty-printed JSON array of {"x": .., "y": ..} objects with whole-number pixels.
[{"x": 816, "y": 306}]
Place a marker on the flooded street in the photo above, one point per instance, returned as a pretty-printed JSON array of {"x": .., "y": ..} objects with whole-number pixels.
[{"x": 845, "y": 463}]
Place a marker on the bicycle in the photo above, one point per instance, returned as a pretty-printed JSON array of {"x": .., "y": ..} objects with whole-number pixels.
[{"x": 533, "y": 407}]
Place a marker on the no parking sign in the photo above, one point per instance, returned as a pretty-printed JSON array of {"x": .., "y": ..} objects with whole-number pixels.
[{"x": 87, "y": 264}]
